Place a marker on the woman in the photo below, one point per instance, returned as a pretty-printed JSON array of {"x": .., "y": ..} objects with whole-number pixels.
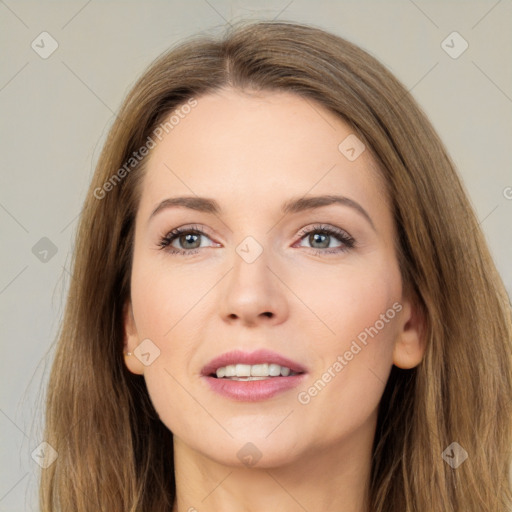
[{"x": 281, "y": 299}]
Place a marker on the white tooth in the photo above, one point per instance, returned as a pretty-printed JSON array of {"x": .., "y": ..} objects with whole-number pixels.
[
  {"x": 247, "y": 378},
  {"x": 259, "y": 370},
  {"x": 243, "y": 370},
  {"x": 230, "y": 370},
  {"x": 285, "y": 371},
  {"x": 274, "y": 370}
]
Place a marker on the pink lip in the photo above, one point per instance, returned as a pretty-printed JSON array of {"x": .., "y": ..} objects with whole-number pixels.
[{"x": 256, "y": 390}]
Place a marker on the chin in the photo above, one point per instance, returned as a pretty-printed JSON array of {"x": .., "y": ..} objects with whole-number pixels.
[{"x": 254, "y": 451}]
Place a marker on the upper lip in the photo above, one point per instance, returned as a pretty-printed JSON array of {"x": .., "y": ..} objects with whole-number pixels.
[{"x": 257, "y": 357}]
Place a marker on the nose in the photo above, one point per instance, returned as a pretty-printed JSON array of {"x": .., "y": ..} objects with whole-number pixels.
[{"x": 253, "y": 293}]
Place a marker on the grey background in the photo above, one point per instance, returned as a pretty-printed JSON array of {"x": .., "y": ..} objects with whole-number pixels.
[{"x": 56, "y": 112}]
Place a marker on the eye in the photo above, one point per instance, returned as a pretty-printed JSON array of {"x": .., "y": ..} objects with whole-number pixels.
[
  {"x": 188, "y": 239},
  {"x": 320, "y": 237}
]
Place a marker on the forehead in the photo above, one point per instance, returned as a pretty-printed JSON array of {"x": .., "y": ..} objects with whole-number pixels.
[{"x": 249, "y": 147}]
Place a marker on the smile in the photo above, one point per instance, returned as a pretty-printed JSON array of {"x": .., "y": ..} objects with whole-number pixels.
[{"x": 251, "y": 377}]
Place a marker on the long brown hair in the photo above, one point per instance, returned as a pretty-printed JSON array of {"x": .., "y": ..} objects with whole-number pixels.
[{"x": 113, "y": 451}]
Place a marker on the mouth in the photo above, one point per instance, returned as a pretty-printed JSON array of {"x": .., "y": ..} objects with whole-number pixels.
[
  {"x": 254, "y": 376},
  {"x": 258, "y": 365}
]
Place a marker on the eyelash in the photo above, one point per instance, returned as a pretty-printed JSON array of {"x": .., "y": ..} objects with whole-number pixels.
[{"x": 340, "y": 235}]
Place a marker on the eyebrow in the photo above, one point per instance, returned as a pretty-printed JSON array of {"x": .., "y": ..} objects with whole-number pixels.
[{"x": 294, "y": 205}]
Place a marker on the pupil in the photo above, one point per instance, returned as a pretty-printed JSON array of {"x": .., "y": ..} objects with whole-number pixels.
[
  {"x": 188, "y": 238},
  {"x": 316, "y": 239}
]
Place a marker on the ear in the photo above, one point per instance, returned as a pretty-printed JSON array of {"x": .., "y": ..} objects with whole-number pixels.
[
  {"x": 131, "y": 341},
  {"x": 410, "y": 344}
]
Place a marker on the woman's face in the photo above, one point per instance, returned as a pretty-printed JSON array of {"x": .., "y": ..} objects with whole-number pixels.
[{"x": 264, "y": 275}]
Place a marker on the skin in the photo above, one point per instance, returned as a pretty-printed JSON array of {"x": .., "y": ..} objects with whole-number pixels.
[{"x": 251, "y": 152}]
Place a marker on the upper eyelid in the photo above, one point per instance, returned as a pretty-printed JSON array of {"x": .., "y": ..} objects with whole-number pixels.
[
  {"x": 304, "y": 230},
  {"x": 322, "y": 227}
]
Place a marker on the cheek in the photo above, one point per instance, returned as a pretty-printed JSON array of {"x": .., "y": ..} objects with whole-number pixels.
[
  {"x": 164, "y": 295},
  {"x": 349, "y": 300},
  {"x": 166, "y": 304},
  {"x": 355, "y": 358}
]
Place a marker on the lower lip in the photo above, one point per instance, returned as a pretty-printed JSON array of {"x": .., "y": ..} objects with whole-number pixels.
[{"x": 253, "y": 390}]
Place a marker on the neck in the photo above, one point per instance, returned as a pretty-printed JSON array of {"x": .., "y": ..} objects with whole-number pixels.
[{"x": 331, "y": 479}]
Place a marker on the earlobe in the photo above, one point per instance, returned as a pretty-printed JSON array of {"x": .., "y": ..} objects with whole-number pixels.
[
  {"x": 131, "y": 340},
  {"x": 410, "y": 344}
]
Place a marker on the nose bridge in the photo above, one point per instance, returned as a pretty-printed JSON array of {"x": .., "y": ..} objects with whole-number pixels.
[
  {"x": 251, "y": 249},
  {"x": 252, "y": 290},
  {"x": 251, "y": 264}
]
